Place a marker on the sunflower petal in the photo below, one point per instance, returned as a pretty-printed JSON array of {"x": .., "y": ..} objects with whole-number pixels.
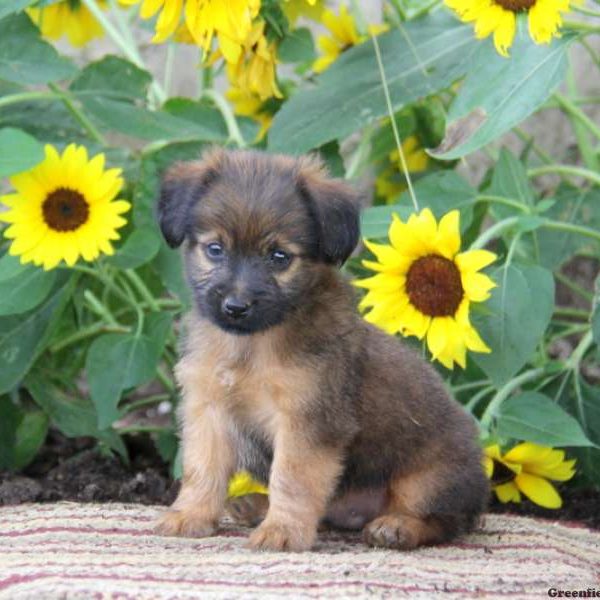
[{"x": 538, "y": 490}]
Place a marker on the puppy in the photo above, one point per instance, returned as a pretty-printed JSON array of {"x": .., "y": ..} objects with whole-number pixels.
[{"x": 280, "y": 375}]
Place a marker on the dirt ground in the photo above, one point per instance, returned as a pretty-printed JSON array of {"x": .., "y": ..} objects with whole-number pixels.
[{"x": 74, "y": 470}]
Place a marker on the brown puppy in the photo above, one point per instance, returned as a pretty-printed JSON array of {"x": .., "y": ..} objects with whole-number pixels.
[{"x": 282, "y": 377}]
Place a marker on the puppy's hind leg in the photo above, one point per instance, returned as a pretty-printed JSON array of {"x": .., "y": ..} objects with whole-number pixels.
[
  {"x": 248, "y": 510},
  {"x": 428, "y": 507}
]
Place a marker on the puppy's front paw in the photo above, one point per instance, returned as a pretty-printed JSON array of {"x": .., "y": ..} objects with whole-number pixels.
[
  {"x": 390, "y": 531},
  {"x": 184, "y": 524},
  {"x": 280, "y": 537}
]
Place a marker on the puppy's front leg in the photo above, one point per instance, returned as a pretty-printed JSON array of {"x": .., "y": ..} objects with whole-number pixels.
[
  {"x": 208, "y": 463},
  {"x": 303, "y": 478}
]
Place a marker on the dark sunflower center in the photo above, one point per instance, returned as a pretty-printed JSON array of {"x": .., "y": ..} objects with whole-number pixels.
[
  {"x": 501, "y": 474},
  {"x": 433, "y": 286},
  {"x": 65, "y": 210},
  {"x": 516, "y": 5}
]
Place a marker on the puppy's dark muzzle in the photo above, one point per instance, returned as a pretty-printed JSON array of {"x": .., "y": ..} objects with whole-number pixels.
[{"x": 235, "y": 308}]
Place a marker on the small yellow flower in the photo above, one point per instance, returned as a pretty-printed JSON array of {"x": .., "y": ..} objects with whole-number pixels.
[
  {"x": 344, "y": 35},
  {"x": 424, "y": 286},
  {"x": 70, "y": 18},
  {"x": 229, "y": 20},
  {"x": 254, "y": 72},
  {"x": 242, "y": 484},
  {"x": 526, "y": 469},
  {"x": 499, "y": 17},
  {"x": 390, "y": 183},
  {"x": 64, "y": 208}
]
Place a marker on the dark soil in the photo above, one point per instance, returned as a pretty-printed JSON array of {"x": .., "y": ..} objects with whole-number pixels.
[{"x": 74, "y": 470}]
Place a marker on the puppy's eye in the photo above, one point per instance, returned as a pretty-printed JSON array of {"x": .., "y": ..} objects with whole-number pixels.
[
  {"x": 214, "y": 251},
  {"x": 280, "y": 259}
]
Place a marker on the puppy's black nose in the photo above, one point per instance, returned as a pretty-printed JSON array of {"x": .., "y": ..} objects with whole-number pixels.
[{"x": 235, "y": 308}]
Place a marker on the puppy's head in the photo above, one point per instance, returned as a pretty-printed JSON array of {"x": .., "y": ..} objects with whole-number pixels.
[{"x": 259, "y": 230}]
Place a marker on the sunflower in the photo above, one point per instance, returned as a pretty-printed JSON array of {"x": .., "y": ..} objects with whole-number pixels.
[
  {"x": 64, "y": 208},
  {"x": 526, "y": 469},
  {"x": 248, "y": 104},
  {"x": 242, "y": 483},
  {"x": 229, "y": 20},
  {"x": 344, "y": 35},
  {"x": 70, "y": 18},
  {"x": 390, "y": 183},
  {"x": 254, "y": 72},
  {"x": 500, "y": 18},
  {"x": 424, "y": 286},
  {"x": 293, "y": 9}
]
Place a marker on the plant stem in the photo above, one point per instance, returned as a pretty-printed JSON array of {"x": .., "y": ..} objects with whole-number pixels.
[
  {"x": 474, "y": 401},
  {"x": 574, "y": 287},
  {"x": 141, "y": 287},
  {"x": 26, "y": 96},
  {"x": 577, "y": 355},
  {"x": 463, "y": 387},
  {"x": 505, "y": 201},
  {"x": 528, "y": 139},
  {"x": 390, "y": 109},
  {"x": 78, "y": 114},
  {"x": 572, "y": 228},
  {"x": 235, "y": 135},
  {"x": 565, "y": 170},
  {"x": 504, "y": 392},
  {"x": 572, "y": 312},
  {"x": 149, "y": 400},
  {"x": 165, "y": 379},
  {"x": 492, "y": 232},
  {"x": 88, "y": 332},
  {"x": 100, "y": 309},
  {"x": 577, "y": 113}
]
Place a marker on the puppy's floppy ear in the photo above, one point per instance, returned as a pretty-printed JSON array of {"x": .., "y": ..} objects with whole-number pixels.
[
  {"x": 334, "y": 207},
  {"x": 182, "y": 186}
]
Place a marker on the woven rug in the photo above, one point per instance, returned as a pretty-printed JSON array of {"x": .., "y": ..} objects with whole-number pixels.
[{"x": 86, "y": 551}]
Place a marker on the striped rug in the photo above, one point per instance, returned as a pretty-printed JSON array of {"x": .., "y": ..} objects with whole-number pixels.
[{"x": 88, "y": 551}]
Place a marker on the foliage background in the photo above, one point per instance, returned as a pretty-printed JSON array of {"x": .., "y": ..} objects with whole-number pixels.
[{"x": 77, "y": 356}]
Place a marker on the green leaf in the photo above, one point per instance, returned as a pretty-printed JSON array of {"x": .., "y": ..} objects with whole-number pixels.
[
  {"x": 25, "y": 289},
  {"x": 426, "y": 56},
  {"x": 113, "y": 77},
  {"x": 519, "y": 309},
  {"x": 441, "y": 191},
  {"x": 25, "y": 58},
  {"x": 157, "y": 326},
  {"x": 12, "y": 6},
  {"x": 139, "y": 248},
  {"x": 74, "y": 417},
  {"x": 18, "y": 151},
  {"x": 509, "y": 181},
  {"x": 168, "y": 264},
  {"x": 30, "y": 435},
  {"x": 499, "y": 93},
  {"x": 116, "y": 362},
  {"x": 297, "y": 46},
  {"x": 596, "y": 325},
  {"x": 10, "y": 417},
  {"x": 23, "y": 337},
  {"x": 533, "y": 417}
]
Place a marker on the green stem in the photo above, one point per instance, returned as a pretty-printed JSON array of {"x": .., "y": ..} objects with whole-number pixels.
[
  {"x": 504, "y": 392},
  {"x": 235, "y": 135},
  {"x": 141, "y": 287},
  {"x": 585, "y": 11},
  {"x": 505, "y": 201},
  {"x": 169, "y": 62},
  {"x": 142, "y": 429},
  {"x": 577, "y": 355},
  {"x": 572, "y": 228},
  {"x": 148, "y": 401},
  {"x": 100, "y": 309},
  {"x": 572, "y": 312},
  {"x": 565, "y": 170},
  {"x": 494, "y": 231},
  {"x": 474, "y": 401},
  {"x": 26, "y": 96},
  {"x": 165, "y": 379},
  {"x": 88, "y": 332},
  {"x": 574, "y": 287},
  {"x": 574, "y": 110},
  {"x": 463, "y": 387},
  {"x": 582, "y": 27},
  {"x": 528, "y": 139},
  {"x": 78, "y": 114}
]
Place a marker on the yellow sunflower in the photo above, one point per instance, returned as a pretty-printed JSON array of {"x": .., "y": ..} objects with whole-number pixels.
[
  {"x": 294, "y": 9},
  {"x": 229, "y": 20},
  {"x": 248, "y": 104},
  {"x": 390, "y": 183},
  {"x": 64, "y": 208},
  {"x": 424, "y": 286},
  {"x": 500, "y": 18},
  {"x": 526, "y": 469},
  {"x": 70, "y": 18},
  {"x": 343, "y": 35},
  {"x": 242, "y": 483},
  {"x": 255, "y": 72}
]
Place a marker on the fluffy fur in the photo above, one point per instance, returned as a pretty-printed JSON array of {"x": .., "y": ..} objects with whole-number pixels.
[{"x": 281, "y": 376}]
